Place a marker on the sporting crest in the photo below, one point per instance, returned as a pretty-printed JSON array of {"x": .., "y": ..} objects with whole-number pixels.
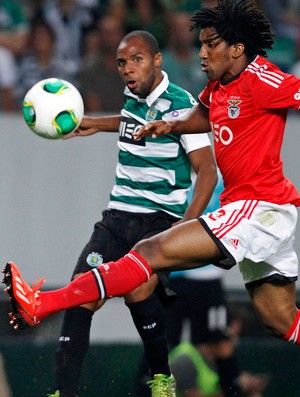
[
  {"x": 151, "y": 113},
  {"x": 94, "y": 259}
]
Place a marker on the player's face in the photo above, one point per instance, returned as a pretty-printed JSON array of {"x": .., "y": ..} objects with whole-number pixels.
[
  {"x": 139, "y": 69},
  {"x": 216, "y": 56}
]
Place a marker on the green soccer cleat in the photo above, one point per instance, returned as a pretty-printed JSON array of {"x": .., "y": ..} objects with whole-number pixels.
[
  {"x": 162, "y": 386},
  {"x": 56, "y": 394}
]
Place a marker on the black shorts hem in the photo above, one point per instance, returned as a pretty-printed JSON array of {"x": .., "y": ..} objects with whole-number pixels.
[
  {"x": 277, "y": 279},
  {"x": 229, "y": 260}
]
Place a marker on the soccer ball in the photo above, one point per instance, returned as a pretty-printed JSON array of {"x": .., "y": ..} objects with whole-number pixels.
[{"x": 53, "y": 108}]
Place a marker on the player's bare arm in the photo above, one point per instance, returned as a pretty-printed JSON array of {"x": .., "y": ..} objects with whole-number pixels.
[
  {"x": 91, "y": 125},
  {"x": 195, "y": 122},
  {"x": 204, "y": 165}
]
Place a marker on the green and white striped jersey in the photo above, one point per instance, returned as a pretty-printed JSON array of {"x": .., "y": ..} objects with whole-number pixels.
[{"x": 154, "y": 174}]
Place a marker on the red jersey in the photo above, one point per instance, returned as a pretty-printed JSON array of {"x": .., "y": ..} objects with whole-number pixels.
[{"x": 248, "y": 117}]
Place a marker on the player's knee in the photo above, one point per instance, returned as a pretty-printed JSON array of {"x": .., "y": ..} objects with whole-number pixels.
[
  {"x": 143, "y": 291},
  {"x": 152, "y": 250}
]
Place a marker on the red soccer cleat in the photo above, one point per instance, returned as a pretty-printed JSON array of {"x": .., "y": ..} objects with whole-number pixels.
[{"x": 23, "y": 298}]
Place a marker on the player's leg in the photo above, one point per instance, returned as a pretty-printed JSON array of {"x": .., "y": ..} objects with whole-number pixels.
[
  {"x": 105, "y": 244},
  {"x": 178, "y": 311},
  {"x": 146, "y": 305},
  {"x": 275, "y": 305},
  {"x": 185, "y": 246},
  {"x": 149, "y": 318},
  {"x": 73, "y": 346},
  {"x": 271, "y": 283},
  {"x": 186, "y": 243}
]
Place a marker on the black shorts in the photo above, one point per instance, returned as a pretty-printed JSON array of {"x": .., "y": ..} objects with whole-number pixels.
[
  {"x": 202, "y": 305},
  {"x": 117, "y": 233}
]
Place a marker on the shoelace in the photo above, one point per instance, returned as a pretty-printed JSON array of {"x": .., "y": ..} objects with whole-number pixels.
[
  {"x": 161, "y": 384},
  {"x": 36, "y": 287}
]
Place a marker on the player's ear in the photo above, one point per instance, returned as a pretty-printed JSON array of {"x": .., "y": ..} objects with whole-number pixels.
[
  {"x": 158, "y": 59},
  {"x": 239, "y": 50}
]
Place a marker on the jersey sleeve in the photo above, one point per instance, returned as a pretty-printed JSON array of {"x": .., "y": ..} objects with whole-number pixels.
[
  {"x": 189, "y": 142},
  {"x": 277, "y": 91},
  {"x": 192, "y": 142},
  {"x": 204, "y": 96}
]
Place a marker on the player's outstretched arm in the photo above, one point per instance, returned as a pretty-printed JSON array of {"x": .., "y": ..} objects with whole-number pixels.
[
  {"x": 91, "y": 125},
  {"x": 194, "y": 123}
]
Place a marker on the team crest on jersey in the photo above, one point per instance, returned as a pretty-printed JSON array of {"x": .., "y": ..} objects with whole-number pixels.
[
  {"x": 233, "y": 109},
  {"x": 151, "y": 113},
  {"x": 94, "y": 259}
]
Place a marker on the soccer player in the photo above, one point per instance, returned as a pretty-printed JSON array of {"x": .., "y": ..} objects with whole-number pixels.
[
  {"x": 149, "y": 196},
  {"x": 245, "y": 103}
]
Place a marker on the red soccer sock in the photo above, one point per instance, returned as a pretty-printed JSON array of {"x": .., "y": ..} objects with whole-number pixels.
[
  {"x": 105, "y": 281},
  {"x": 293, "y": 334}
]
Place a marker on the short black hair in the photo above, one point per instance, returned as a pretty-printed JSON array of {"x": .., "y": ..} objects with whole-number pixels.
[
  {"x": 147, "y": 37},
  {"x": 238, "y": 21}
]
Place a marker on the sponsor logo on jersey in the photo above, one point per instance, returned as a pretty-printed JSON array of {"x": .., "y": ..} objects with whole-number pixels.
[
  {"x": 297, "y": 95},
  {"x": 127, "y": 127},
  {"x": 180, "y": 112},
  {"x": 151, "y": 113},
  {"x": 233, "y": 109},
  {"x": 94, "y": 259}
]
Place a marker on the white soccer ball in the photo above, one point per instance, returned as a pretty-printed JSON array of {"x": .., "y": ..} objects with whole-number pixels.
[{"x": 53, "y": 108}]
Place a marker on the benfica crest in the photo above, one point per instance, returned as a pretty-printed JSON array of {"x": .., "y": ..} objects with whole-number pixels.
[{"x": 233, "y": 109}]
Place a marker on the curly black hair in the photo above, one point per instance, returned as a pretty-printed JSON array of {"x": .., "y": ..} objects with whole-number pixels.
[{"x": 238, "y": 21}]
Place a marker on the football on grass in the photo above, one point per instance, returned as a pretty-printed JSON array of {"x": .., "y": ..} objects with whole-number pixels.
[{"x": 53, "y": 108}]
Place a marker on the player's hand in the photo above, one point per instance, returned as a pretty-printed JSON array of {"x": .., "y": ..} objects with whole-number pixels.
[
  {"x": 153, "y": 129},
  {"x": 86, "y": 127}
]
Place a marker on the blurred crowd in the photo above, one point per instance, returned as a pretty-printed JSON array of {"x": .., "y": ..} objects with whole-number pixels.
[{"x": 77, "y": 39}]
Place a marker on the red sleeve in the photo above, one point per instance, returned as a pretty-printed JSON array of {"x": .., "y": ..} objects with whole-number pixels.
[
  {"x": 204, "y": 96},
  {"x": 277, "y": 90}
]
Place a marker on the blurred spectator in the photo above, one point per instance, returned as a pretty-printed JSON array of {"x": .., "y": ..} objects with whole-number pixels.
[
  {"x": 13, "y": 26},
  {"x": 40, "y": 61},
  {"x": 13, "y": 36},
  {"x": 295, "y": 68},
  {"x": 284, "y": 16},
  {"x": 70, "y": 21},
  {"x": 8, "y": 78},
  {"x": 181, "y": 57},
  {"x": 100, "y": 83},
  {"x": 147, "y": 15},
  {"x": 196, "y": 375}
]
